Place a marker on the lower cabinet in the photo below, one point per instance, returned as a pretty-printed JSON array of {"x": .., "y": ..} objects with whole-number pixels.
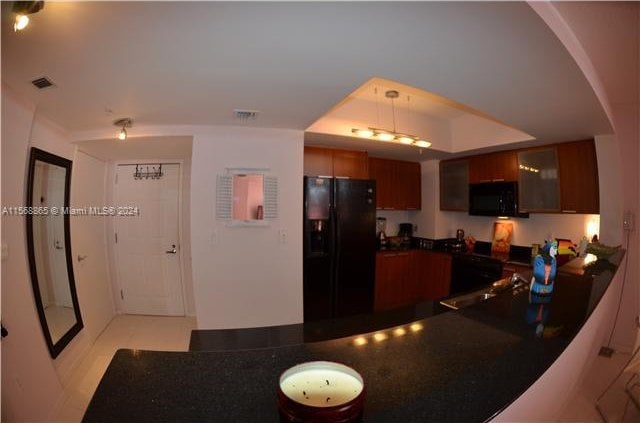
[
  {"x": 407, "y": 277},
  {"x": 433, "y": 274}
]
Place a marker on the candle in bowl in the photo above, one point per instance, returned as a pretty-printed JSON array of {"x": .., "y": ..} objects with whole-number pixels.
[{"x": 321, "y": 391}]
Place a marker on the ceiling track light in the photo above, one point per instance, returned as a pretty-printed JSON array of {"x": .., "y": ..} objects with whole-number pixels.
[
  {"x": 22, "y": 9},
  {"x": 391, "y": 136},
  {"x": 123, "y": 123}
]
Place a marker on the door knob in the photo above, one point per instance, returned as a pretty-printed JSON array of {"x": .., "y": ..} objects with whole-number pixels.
[{"x": 172, "y": 250}]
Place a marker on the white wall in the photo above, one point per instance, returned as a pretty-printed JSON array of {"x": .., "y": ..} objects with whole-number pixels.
[
  {"x": 32, "y": 382},
  {"x": 244, "y": 276}
]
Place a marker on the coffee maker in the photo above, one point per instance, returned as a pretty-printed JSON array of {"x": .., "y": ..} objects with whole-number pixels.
[{"x": 405, "y": 231}]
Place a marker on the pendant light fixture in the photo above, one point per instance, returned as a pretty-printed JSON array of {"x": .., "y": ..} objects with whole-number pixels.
[
  {"x": 21, "y": 10},
  {"x": 123, "y": 123},
  {"x": 391, "y": 136}
]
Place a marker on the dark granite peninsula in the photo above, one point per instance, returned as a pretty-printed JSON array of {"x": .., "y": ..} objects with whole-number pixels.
[{"x": 464, "y": 365}]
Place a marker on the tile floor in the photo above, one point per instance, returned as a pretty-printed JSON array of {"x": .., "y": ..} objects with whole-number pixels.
[
  {"x": 581, "y": 408},
  {"x": 124, "y": 331}
]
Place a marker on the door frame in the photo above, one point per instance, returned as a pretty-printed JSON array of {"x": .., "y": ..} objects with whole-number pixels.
[{"x": 129, "y": 162}]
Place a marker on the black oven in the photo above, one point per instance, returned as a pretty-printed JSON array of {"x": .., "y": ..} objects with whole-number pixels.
[
  {"x": 494, "y": 199},
  {"x": 470, "y": 272}
]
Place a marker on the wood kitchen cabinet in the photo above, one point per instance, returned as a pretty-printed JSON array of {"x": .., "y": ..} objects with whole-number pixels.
[
  {"x": 494, "y": 167},
  {"x": 454, "y": 185},
  {"x": 398, "y": 184},
  {"x": 407, "y": 277},
  {"x": 538, "y": 186},
  {"x": 578, "y": 175},
  {"x": 320, "y": 161},
  {"x": 350, "y": 164},
  {"x": 433, "y": 273},
  {"x": 394, "y": 280}
]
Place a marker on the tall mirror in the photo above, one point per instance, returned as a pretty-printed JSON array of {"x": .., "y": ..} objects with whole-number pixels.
[{"x": 49, "y": 246}]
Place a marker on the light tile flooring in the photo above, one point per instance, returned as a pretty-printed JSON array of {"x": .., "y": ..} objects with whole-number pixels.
[
  {"x": 581, "y": 408},
  {"x": 124, "y": 331},
  {"x": 59, "y": 319}
]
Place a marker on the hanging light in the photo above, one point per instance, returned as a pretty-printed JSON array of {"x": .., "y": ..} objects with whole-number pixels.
[
  {"x": 123, "y": 124},
  {"x": 391, "y": 136},
  {"x": 22, "y": 9}
]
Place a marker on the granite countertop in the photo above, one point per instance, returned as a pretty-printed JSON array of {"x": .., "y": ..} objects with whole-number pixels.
[{"x": 464, "y": 365}]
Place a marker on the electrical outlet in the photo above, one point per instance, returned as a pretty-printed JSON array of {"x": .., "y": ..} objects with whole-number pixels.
[
  {"x": 628, "y": 221},
  {"x": 282, "y": 235}
]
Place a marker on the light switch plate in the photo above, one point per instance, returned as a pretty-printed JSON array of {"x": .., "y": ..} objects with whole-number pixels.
[
  {"x": 282, "y": 236},
  {"x": 5, "y": 252}
]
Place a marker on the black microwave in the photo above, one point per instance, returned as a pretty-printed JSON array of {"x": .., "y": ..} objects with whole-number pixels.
[{"x": 494, "y": 199}]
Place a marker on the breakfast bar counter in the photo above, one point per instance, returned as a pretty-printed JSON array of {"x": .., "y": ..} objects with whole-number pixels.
[{"x": 464, "y": 365}]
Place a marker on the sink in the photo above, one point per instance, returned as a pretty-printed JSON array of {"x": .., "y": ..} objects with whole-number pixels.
[{"x": 467, "y": 300}]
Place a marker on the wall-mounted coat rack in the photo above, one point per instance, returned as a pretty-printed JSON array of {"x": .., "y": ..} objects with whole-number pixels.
[{"x": 143, "y": 172}]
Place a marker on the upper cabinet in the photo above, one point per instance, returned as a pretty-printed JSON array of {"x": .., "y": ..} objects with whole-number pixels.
[
  {"x": 454, "y": 185},
  {"x": 398, "y": 184},
  {"x": 578, "y": 173},
  {"x": 350, "y": 164},
  {"x": 494, "y": 167},
  {"x": 558, "y": 178},
  {"x": 319, "y": 161},
  {"x": 538, "y": 185}
]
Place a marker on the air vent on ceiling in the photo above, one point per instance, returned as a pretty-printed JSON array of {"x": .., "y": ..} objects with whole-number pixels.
[
  {"x": 42, "y": 83},
  {"x": 244, "y": 114}
]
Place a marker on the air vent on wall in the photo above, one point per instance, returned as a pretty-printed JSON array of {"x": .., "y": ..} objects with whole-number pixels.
[
  {"x": 244, "y": 114},
  {"x": 42, "y": 83}
]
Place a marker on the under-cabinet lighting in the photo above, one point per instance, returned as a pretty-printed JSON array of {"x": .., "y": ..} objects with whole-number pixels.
[{"x": 590, "y": 258}]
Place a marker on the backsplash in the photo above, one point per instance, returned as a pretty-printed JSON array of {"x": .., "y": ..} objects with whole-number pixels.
[
  {"x": 394, "y": 218},
  {"x": 525, "y": 231}
]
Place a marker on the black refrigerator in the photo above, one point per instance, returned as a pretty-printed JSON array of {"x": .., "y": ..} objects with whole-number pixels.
[{"x": 339, "y": 247}]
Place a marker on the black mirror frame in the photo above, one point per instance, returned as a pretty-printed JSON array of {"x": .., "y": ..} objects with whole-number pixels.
[{"x": 43, "y": 156}]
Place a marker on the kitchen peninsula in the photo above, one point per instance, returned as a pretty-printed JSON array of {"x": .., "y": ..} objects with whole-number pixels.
[{"x": 464, "y": 365}]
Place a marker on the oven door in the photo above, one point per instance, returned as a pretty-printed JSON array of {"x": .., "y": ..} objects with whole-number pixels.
[{"x": 470, "y": 273}]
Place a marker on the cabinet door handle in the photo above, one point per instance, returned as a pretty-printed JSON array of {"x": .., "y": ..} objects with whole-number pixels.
[
  {"x": 485, "y": 180},
  {"x": 499, "y": 180},
  {"x": 342, "y": 177},
  {"x": 569, "y": 211}
]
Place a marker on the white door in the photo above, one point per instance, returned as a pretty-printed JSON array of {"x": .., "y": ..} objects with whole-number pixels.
[
  {"x": 89, "y": 240},
  {"x": 147, "y": 246}
]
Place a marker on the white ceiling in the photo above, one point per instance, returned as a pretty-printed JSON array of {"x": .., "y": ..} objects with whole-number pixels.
[
  {"x": 193, "y": 63},
  {"x": 139, "y": 148},
  {"x": 450, "y": 127}
]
